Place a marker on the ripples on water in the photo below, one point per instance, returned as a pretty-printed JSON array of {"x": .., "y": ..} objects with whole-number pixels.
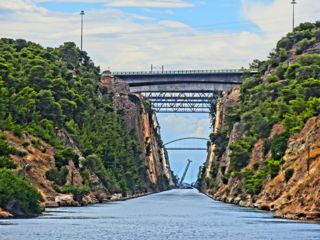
[{"x": 176, "y": 214}]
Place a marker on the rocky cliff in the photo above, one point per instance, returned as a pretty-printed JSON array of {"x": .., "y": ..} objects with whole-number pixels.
[
  {"x": 68, "y": 137},
  {"x": 139, "y": 117},
  {"x": 35, "y": 157},
  {"x": 297, "y": 197},
  {"x": 266, "y": 142}
]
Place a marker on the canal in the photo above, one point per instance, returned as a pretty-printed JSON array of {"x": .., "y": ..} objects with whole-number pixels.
[{"x": 176, "y": 214}]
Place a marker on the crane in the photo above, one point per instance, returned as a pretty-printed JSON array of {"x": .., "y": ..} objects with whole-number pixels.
[{"x": 185, "y": 171}]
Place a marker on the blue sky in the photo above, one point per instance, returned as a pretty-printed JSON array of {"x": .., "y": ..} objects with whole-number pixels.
[
  {"x": 129, "y": 35},
  {"x": 204, "y": 15},
  {"x": 175, "y": 126}
]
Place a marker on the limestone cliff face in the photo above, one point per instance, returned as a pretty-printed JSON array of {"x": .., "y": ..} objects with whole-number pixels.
[
  {"x": 300, "y": 196},
  {"x": 139, "y": 117},
  {"x": 296, "y": 198},
  {"x": 227, "y": 100}
]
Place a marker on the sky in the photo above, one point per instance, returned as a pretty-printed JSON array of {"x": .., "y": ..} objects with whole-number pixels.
[{"x": 130, "y": 35}]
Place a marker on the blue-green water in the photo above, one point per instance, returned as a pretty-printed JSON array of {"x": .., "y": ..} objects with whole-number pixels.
[{"x": 176, "y": 214}]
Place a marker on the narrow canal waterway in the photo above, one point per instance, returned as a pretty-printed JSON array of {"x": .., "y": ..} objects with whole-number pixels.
[{"x": 176, "y": 214}]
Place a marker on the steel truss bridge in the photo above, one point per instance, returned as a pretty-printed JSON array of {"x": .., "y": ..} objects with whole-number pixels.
[
  {"x": 182, "y": 102},
  {"x": 191, "y": 91}
]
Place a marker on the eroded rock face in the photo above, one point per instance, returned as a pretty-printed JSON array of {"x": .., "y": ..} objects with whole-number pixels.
[
  {"x": 296, "y": 198},
  {"x": 35, "y": 163},
  {"x": 299, "y": 197},
  {"x": 226, "y": 101},
  {"x": 143, "y": 121}
]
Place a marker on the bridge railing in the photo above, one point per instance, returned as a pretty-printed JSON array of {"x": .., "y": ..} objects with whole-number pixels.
[{"x": 178, "y": 72}]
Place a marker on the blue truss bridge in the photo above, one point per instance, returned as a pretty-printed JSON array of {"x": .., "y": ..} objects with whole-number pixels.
[{"x": 188, "y": 91}]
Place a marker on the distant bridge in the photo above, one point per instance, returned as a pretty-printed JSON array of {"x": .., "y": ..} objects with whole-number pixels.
[
  {"x": 193, "y": 91},
  {"x": 186, "y": 148}
]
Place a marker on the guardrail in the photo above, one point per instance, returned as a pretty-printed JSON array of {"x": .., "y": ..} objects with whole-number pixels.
[{"x": 180, "y": 72}]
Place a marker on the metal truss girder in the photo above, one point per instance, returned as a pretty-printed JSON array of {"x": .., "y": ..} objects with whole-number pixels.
[
  {"x": 187, "y": 149},
  {"x": 182, "y": 102},
  {"x": 180, "y": 111}
]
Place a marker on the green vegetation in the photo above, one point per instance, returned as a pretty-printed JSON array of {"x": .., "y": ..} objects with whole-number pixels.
[
  {"x": 220, "y": 140},
  {"x": 44, "y": 90},
  {"x": 289, "y": 95},
  {"x": 279, "y": 145},
  {"x": 5, "y": 151},
  {"x": 284, "y": 90},
  {"x": 77, "y": 191},
  {"x": 15, "y": 188},
  {"x": 288, "y": 174},
  {"x": 240, "y": 153},
  {"x": 58, "y": 176},
  {"x": 253, "y": 182}
]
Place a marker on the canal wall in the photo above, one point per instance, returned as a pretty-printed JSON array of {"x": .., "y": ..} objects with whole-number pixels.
[
  {"x": 35, "y": 158},
  {"x": 265, "y": 147},
  {"x": 296, "y": 198},
  {"x": 137, "y": 114}
]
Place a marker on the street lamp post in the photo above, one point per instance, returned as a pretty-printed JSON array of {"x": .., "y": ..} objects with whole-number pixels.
[
  {"x": 293, "y": 3},
  {"x": 81, "y": 14}
]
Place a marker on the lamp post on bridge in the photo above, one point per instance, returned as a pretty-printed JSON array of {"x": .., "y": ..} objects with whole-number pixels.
[
  {"x": 81, "y": 14},
  {"x": 293, "y": 3}
]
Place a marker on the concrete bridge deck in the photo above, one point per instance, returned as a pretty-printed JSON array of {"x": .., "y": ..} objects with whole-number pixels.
[
  {"x": 182, "y": 81},
  {"x": 189, "y": 91}
]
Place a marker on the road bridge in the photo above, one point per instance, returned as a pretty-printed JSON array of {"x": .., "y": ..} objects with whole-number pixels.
[{"x": 190, "y": 91}]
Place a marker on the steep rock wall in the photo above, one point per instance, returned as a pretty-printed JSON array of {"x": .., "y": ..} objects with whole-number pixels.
[
  {"x": 265, "y": 145},
  {"x": 296, "y": 198},
  {"x": 139, "y": 117}
]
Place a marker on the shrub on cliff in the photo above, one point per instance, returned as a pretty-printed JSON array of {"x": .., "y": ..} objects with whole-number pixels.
[
  {"x": 253, "y": 182},
  {"x": 220, "y": 139},
  {"x": 65, "y": 154},
  {"x": 16, "y": 190},
  {"x": 58, "y": 176},
  {"x": 78, "y": 191},
  {"x": 288, "y": 174},
  {"x": 240, "y": 153},
  {"x": 279, "y": 145},
  {"x": 5, "y": 151}
]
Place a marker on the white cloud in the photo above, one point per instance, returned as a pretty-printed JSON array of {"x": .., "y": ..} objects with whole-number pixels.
[
  {"x": 184, "y": 125},
  {"x": 124, "y": 41},
  {"x": 148, "y": 3},
  {"x": 133, "y": 3},
  {"x": 275, "y": 19}
]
